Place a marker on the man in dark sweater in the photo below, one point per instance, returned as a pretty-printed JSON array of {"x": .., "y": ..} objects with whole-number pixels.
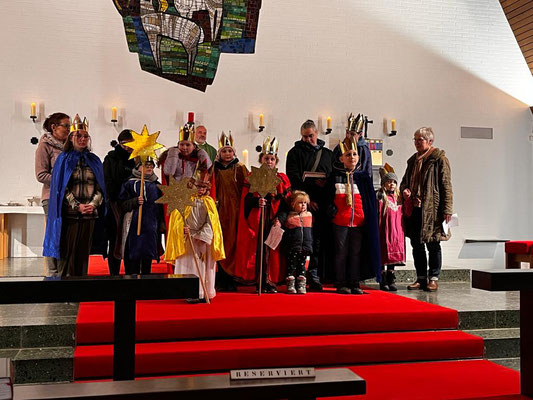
[
  {"x": 117, "y": 170},
  {"x": 308, "y": 166}
]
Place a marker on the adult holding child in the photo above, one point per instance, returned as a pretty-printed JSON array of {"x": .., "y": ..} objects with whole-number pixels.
[
  {"x": 427, "y": 189},
  {"x": 56, "y": 130}
]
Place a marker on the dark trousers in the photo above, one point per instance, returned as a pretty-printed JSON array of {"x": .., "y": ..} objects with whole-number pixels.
[
  {"x": 113, "y": 218},
  {"x": 348, "y": 243},
  {"x": 112, "y": 262},
  {"x": 419, "y": 249},
  {"x": 51, "y": 262},
  {"x": 321, "y": 240},
  {"x": 75, "y": 246},
  {"x": 296, "y": 263},
  {"x": 136, "y": 267}
]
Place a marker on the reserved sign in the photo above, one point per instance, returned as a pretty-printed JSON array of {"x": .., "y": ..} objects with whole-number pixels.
[{"x": 272, "y": 373}]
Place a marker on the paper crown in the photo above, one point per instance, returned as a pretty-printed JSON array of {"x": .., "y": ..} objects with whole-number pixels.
[
  {"x": 79, "y": 125},
  {"x": 270, "y": 146},
  {"x": 387, "y": 173},
  {"x": 347, "y": 144},
  {"x": 355, "y": 124},
  {"x": 187, "y": 133},
  {"x": 225, "y": 140}
]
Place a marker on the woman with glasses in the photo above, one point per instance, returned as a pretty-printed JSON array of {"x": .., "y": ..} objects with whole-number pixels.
[
  {"x": 77, "y": 189},
  {"x": 427, "y": 190},
  {"x": 56, "y": 129}
]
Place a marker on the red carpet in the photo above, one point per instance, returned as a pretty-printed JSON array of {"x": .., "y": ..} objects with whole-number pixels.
[
  {"x": 243, "y": 330},
  {"x": 245, "y": 315},
  {"x": 98, "y": 266},
  {"x": 469, "y": 379},
  {"x": 226, "y": 354}
]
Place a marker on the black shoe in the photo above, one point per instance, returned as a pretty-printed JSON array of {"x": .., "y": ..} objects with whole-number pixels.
[
  {"x": 357, "y": 290},
  {"x": 195, "y": 301},
  {"x": 391, "y": 280},
  {"x": 269, "y": 289},
  {"x": 383, "y": 286},
  {"x": 344, "y": 290},
  {"x": 315, "y": 286}
]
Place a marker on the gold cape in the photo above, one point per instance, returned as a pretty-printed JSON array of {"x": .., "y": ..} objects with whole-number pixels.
[{"x": 176, "y": 239}]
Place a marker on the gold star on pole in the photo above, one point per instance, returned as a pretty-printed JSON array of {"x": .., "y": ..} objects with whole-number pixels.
[
  {"x": 263, "y": 180},
  {"x": 177, "y": 195},
  {"x": 144, "y": 145}
]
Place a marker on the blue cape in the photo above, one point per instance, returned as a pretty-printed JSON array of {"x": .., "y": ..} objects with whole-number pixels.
[{"x": 64, "y": 166}]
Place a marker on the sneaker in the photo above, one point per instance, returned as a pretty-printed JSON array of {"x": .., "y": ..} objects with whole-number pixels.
[
  {"x": 291, "y": 284},
  {"x": 344, "y": 290},
  {"x": 300, "y": 285}
]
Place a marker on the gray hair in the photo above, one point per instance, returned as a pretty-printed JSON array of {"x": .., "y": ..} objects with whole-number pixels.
[
  {"x": 427, "y": 133},
  {"x": 309, "y": 124}
]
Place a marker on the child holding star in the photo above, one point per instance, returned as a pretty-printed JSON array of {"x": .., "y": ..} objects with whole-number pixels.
[{"x": 196, "y": 235}]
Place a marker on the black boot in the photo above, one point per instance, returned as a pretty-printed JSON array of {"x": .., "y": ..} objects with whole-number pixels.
[
  {"x": 384, "y": 284},
  {"x": 391, "y": 280}
]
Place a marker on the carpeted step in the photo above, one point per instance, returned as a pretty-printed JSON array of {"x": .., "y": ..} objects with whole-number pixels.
[
  {"x": 233, "y": 315},
  {"x": 216, "y": 355}
]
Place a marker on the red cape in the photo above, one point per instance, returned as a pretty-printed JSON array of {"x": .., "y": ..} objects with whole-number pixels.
[{"x": 248, "y": 234}]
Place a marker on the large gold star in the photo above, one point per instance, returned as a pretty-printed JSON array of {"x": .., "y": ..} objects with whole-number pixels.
[
  {"x": 144, "y": 145},
  {"x": 263, "y": 180},
  {"x": 177, "y": 195}
]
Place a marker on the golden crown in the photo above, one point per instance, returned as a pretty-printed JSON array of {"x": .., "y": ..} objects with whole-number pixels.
[
  {"x": 347, "y": 144},
  {"x": 225, "y": 140},
  {"x": 79, "y": 125},
  {"x": 355, "y": 124},
  {"x": 270, "y": 146},
  {"x": 187, "y": 133}
]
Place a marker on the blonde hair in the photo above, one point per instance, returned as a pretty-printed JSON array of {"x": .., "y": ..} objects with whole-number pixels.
[
  {"x": 382, "y": 195},
  {"x": 299, "y": 195}
]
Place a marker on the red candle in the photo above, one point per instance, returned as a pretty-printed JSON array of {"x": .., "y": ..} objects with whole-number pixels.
[{"x": 191, "y": 118}]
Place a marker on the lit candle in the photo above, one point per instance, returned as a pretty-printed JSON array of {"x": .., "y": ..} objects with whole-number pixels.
[
  {"x": 33, "y": 108},
  {"x": 190, "y": 119},
  {"x": 328, "y": 122},
  {"x": 393, "y": 124},
  {"x": 113, "y": 113},
  {"x": 245, "y": 157},
  {"x": 261, "y": 117}
]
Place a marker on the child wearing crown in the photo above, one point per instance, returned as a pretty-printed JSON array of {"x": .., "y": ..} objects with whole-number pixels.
[
  {"x": 138, "y": 251},
  {"x": 229, "y": 180},
  {"x": 252, "y": 206},
  {"x": 355, "y": 226},
  {"x": 202, "y": 225},
  {"x": 182, "y": 160},
  {"x": 391, "y": 232}
]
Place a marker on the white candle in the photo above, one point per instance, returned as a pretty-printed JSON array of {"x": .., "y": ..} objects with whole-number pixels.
[{"x": 245, "y": 157}]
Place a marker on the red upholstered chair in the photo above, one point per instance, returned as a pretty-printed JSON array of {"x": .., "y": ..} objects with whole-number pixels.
[{"x": 517, "y": 251}]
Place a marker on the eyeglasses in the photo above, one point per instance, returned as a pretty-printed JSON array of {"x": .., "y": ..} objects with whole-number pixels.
[{"x": 82, "y": 136}]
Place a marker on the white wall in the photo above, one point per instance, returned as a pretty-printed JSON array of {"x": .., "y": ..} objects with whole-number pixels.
[{"x": 444, "y": 63}]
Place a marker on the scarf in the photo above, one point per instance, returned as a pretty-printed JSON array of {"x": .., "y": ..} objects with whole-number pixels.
[{"x": 416, "y": 174}]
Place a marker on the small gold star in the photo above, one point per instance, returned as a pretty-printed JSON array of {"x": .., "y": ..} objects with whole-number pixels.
[
  {"x": 263, "y": 180},
  {"x": 177, "y": 195},
  {"x": 144, "y": 145}
]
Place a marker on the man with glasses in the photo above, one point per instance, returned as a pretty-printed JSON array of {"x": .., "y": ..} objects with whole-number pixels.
[
  {"x": 427, "y": 190},
  {"x": 117, "y": 170},
  {"x": 308, "y": 166}
]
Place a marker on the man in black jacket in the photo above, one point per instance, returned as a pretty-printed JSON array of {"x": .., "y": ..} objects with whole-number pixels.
[
  {"x": 308, "y": 166},
  {"x": 117, "y": 170}
]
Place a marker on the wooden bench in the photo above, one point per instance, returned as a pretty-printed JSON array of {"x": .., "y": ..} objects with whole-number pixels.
[
  {"x": 327, "y": 382},
  {"x": 518, "y": 251},
  {"x": 522, "y": 280}
]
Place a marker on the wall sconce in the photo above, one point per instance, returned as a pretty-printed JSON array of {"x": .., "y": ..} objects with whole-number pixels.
[
  {"x": 393, "y": 127},
  {"x": 114, "y": 119},
  {"x": 261, "y": 121},
  {"x": 33, "y": 112},
  {"x": 328, "y": 126}
]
